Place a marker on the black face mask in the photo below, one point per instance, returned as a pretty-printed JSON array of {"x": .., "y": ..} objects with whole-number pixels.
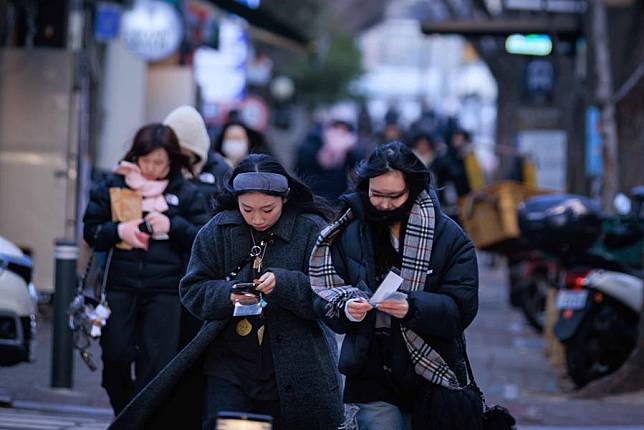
[{"x": 387, "y": 217}]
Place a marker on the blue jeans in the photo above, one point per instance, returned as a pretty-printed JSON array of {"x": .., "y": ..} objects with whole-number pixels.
[{"x": 381, "y": 416}]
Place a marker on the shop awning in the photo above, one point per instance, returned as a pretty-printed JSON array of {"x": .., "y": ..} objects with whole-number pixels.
[{"x": 268, "y": 25}]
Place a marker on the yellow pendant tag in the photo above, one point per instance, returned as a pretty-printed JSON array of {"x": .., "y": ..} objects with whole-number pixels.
[
  {"x": 244, "y": 327},
  {"x": 257, "y": 264},
  {"x": 260, "y": 335}
]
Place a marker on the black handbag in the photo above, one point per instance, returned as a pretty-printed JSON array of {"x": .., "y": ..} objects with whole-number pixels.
[
  {"x": 89, "y": 309},
  {"x": 495, "y": 417},
  {"x": 439, "y": 408}
]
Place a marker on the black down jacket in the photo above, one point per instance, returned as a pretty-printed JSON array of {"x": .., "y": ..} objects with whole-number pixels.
[
  {"x": 439, "y": 314},
  {"x": 160, "y": 268}
]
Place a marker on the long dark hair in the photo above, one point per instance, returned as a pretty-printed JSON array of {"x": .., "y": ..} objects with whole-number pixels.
[
  {"x": 256, "y": 142},
  {"x": 300, "y": 196},
  {"x": 158, "y": 136},
  {"x": 394, "y": 156}
]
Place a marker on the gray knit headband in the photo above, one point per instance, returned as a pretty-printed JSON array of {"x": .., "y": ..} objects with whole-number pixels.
[{"x": 266, "y": 182}]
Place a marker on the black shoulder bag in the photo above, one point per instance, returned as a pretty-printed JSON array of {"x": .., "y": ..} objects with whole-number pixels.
[
  {"x": 496, "y": 417},
  {"x": 439, "y": 408}
]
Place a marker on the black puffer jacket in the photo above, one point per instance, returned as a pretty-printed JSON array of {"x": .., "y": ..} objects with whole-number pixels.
[
  {"x": 212, "y": 176},
  {"x": 161, "y": 267},
  {"x": 439, "y": 314}
]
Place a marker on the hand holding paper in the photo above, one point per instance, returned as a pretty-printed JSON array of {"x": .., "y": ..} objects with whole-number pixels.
[
  {"x": 388, "y": 299},
  {"x": 388, "y": 290},
  {"x": 395, "y": 308}
]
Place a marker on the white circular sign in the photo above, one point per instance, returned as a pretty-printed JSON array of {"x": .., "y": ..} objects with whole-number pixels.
[{"x": 152, "y": 29}]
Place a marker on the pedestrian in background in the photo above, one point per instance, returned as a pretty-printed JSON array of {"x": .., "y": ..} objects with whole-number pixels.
[
  {"x": 399, "y": 348},
  {"x": 209, "y": 175},
  {"x": 236, "y": 140},
  {"x": 149, "y": 257},
  {"x": 458, "y": 171},
  {"x": 209, "y": 169},
  {"x": 425, "y": 147},
  {"x": 327, "y": 157}
]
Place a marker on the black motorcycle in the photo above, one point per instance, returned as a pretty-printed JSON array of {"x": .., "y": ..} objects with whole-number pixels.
[{"x": 600, "y": 293}]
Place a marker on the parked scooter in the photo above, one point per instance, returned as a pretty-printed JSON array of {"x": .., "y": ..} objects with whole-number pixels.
[
  {"x": 598, "y": 322},
  {"x": 600, "y": 296}
]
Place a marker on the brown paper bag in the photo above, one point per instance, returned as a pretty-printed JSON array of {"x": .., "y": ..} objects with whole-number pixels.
[{"x": 126, "y": 205}]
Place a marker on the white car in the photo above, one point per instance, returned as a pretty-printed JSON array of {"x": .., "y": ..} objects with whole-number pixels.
[{"x": 18, "y": 305}]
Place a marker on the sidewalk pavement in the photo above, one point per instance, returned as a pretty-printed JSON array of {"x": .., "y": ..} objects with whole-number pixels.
[
  {"x": 506, "y": 354},
  {"x": 512, "y": 370},
  {"x": 31, "y": 381}
]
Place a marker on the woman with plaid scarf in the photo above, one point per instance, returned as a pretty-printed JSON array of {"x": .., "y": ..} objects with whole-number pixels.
[{"x": 411, "y": 341}]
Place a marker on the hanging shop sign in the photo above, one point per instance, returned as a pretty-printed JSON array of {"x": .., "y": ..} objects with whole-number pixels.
[
  {"x": 221, "y": 73},
  {"x": 152, "y": 30},
  {"x": 529, "y": 44}
]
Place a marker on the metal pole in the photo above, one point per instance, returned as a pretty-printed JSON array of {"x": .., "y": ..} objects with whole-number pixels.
[{"x": 66, "y": 254}]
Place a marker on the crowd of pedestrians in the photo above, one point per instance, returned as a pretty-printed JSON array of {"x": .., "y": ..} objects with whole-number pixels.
[{"x": 230, "y": 278}]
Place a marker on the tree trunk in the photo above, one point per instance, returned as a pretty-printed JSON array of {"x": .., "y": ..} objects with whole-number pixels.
[
  {"x": 630, "y": 115},
  {"x": 599, "y": 36}
]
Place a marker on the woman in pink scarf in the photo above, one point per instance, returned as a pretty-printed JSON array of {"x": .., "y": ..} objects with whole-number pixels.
[{"x": 150, "y": 248}]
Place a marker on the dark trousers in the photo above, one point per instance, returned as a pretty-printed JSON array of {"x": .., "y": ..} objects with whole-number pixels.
[
  {"x": 222, "y": 395},
  {"x": 143, "y": 330}
]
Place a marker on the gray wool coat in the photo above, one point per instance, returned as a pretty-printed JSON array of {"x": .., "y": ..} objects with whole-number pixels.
[{"x": 304, "y": 353}]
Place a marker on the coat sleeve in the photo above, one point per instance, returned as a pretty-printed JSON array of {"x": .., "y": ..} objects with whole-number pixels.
[
  {"x": 203, "y": 290},
  {"x": 99, "y": 231},
  {"x": 184, "y": 226},
  {"x": 293, "y": 288},
  {"x": 339, "y": 323},
  {"x": 447, "y": 311}
]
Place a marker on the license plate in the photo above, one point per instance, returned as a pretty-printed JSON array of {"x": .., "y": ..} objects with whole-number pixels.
[{"x": 572, "y": 299}]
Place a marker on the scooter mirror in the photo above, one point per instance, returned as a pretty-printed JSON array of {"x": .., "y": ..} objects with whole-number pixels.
[{"x": 622, "y": 204}]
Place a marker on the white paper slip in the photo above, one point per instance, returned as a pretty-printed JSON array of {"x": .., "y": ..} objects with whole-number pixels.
[{"x": 388, "y": 286}]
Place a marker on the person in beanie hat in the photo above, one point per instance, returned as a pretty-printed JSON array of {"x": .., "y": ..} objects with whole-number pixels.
[{"x": 190, "y": 128}]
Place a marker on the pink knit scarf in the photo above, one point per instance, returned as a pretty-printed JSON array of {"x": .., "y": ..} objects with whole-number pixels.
[{"x": 151, "y": 191}]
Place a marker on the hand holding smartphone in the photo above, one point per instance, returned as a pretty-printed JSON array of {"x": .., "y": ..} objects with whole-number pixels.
[{"x": 245, "y": 288}]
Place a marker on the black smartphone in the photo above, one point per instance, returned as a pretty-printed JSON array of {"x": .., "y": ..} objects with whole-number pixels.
[
  {"x": 243, "y": 421},
  {"x": 145, "y": 227},
  {"x": 245, "y": 288}
]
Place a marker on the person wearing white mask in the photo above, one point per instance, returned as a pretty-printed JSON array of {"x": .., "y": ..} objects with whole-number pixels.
[
  {"x": 209, "y": 168},
  {"x": 237, "y": 140}
]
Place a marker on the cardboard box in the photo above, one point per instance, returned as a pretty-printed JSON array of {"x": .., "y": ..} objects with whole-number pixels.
[{"x": 490, "y": 216}]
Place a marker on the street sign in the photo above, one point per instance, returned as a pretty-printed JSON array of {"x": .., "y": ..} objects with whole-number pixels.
[
  {"x": 548, "y": 149},
  {"x": 594, "y": 160},
  {"x": 108, "y": 18}
]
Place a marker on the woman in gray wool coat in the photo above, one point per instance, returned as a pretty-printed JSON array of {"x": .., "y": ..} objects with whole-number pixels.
[{"x": 280, "y": 362}]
